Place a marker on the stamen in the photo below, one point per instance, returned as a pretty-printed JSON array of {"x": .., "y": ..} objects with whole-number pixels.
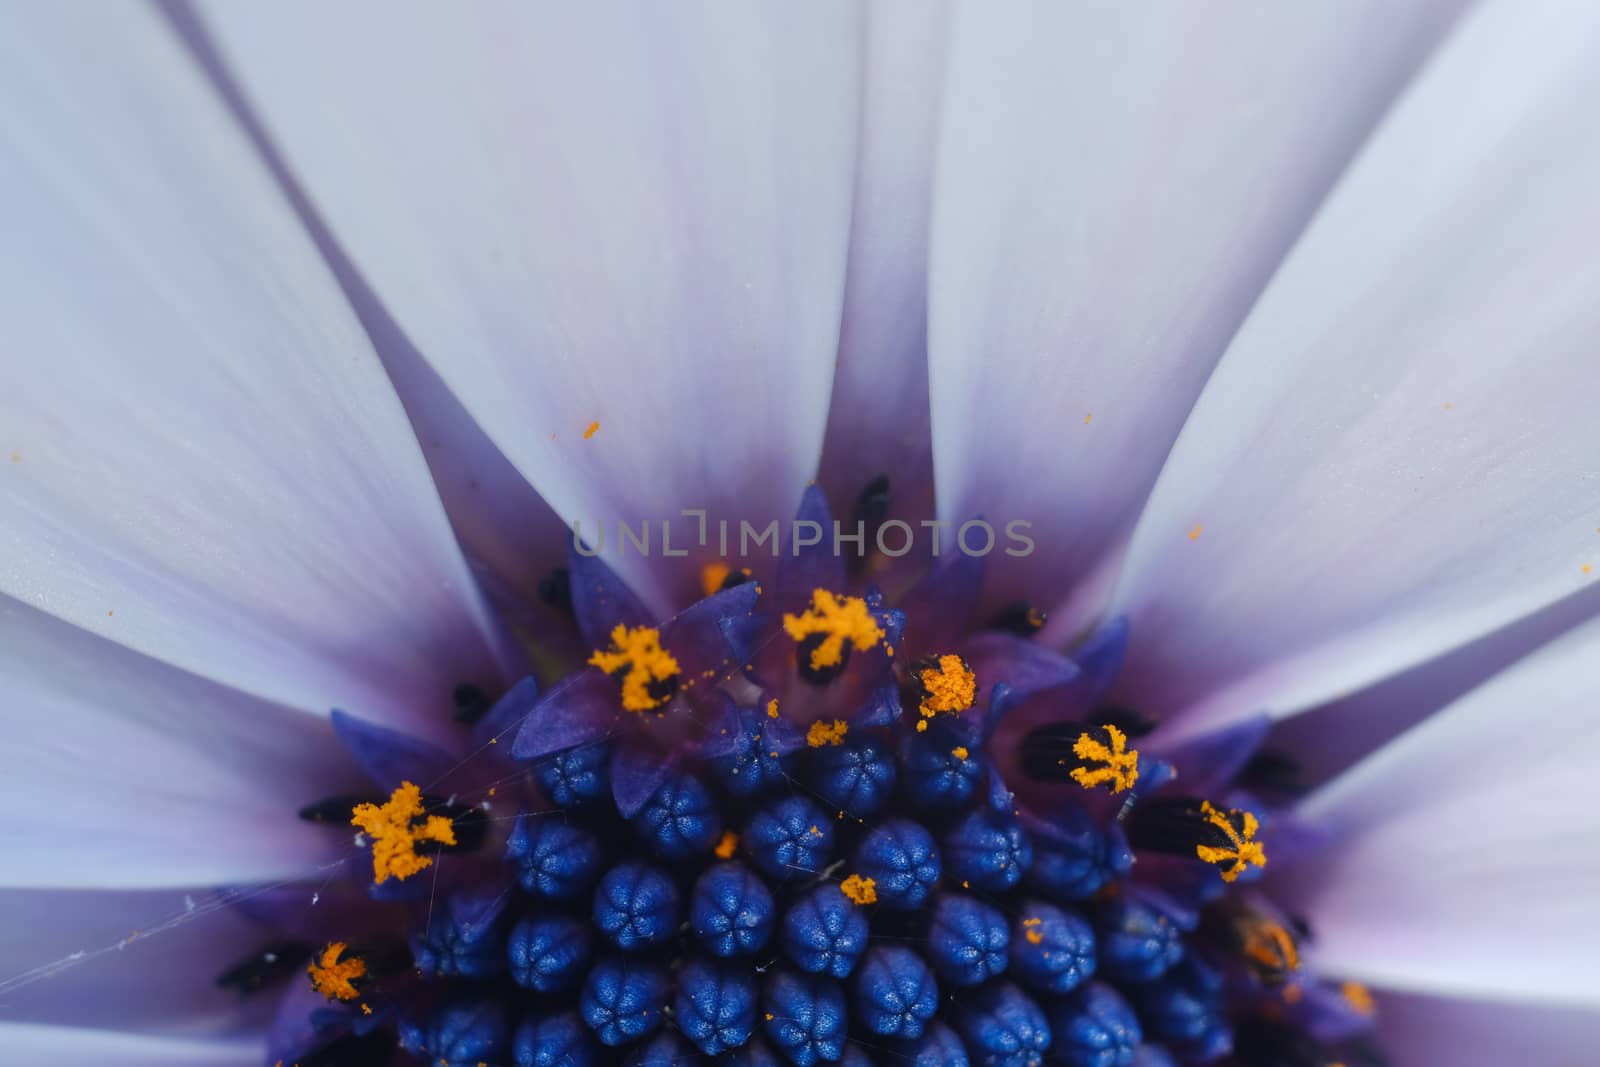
[
  {"x": 872, "y": 507},
  {"x": 396, "y": 833},
  {"x": 1241, "y": 850},
  {"x": 471, "y": 703},
  {"x": 717, "y": 576},
  {"x": 332, "y": 810},
  {"x": 1105, "y": 762},
  {"x": 825, "y": 733},
  {"x": 335, "y": 978},
  {"x": 1188, "y": 826},
  {"x": 828, "y": 630},
  {"x": 948, "y": 686},
  {"x": 556, "y": 591},
  {"x": 265, "y": 968},
  {"x": 860, "y": 890},
  {"x": 1020, "y": 618},
  {"x": 648, "y": 672}
]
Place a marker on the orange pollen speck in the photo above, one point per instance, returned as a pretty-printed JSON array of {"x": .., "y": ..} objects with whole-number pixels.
[
  {"x": 334, "y": 978},
  {"x": 960, "y": 752},
  {"x": 1032, "y": 931},
  {"x": 726, "y": 847},
  {"x": 636, "y": 654},
  {"x": 838, "y": 619},
  {"x": 1194, "y": 534},
  {"x": 1358, "y": 997},
  {"x": 948, "y": 687},
  {"x": 860, "y": 890},
  {"x": 593, "y": 428},
  {"x": 824, "y": 733},
  {"x": 396, "y": 829},
  {"x": 772, "y": 708}
]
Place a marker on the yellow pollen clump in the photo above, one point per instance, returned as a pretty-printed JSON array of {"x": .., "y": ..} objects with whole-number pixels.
[
  {"x": 592, "y": 429},
  {"x": 772, "y": 708},
  {"x": 947, "y": 688},
  {"x": 960, "y": 752},
  {"x": 1119, "y": 765},
  {"x": 824, "y": 733},
  {"x": 839, "y": 619},
  {"x": 726, "y": 847},
  {"x": 1358, "y": 997},
  {"x": 637, "y": 650},
  {"x": 396, "y": 833},
  {"x": 860, "y": 890},
  {"x": 334, "y": 978},
  {"x": 1031, "y": 930},
  {"x": 1243, "y": 849}
]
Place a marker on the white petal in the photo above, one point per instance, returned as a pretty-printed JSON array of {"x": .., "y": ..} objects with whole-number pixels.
[
  {"x": 1419, "y": 1031},
  {"x": 204, "y": 460},
  {"x": 1331, "y": 737},
  {"x": 146, "y": 961},
  {"x": 66, "y": 1046},
  {"x": 1468, "y": 853},
  {"x": 878, "y": 418},
  {"x": 134, "y": 773},
  {"x": 501, "y": 521},
  {"x": 1116, "y": 183},
  {"x": 1398, "y": 453},
  {"x": 622, "y": 214}
]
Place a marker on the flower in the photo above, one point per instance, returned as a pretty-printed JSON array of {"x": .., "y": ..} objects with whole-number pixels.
[{"x": 322, "y": 325}]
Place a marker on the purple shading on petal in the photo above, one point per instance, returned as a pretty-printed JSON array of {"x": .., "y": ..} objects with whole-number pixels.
[
  {"x": 507, "y": 712},
  {"x": 636, "y": 773},
  {"x": 697, "y": 638},
  {"x": 389, "y": 757},
  {"x": 734, "y": 726},
  {"x": 601, "y": 600},
  {"x": 816, "y": 566},
  {"x": 939, "y": 608},
  {"x": 581, "y": 709},
  {"x": 1207, "y": 762},
  {"x": 1026, "y": 667}
]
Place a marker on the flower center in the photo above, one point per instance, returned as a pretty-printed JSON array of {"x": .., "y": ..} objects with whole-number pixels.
[{"x": 647, "y": 672}]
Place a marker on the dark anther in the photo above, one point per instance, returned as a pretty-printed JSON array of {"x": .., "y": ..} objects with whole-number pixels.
[
  {"x": 1263, "y": 1043},
  {"x": 662, "y": 690},
  {"x": 471, "y": 703},
  {"x": 266, "y": 968},
  {"x": 556, "y": 590},
  {"x": 1176, "y": 825},
  {"x": 1269, "y": 949},
  {"x": 872, "y": 507},
  {"x": 819, "y": 675},
  {"x": 1271, "y": 771},
  {"x": 1130, "y": 722},
  {"x": 471, "y": 824},
  {"x": 1047, "y": 754},
  {"x": 353, "y": 1050},
  {"x": 1020, "y": 618},
  {"x": 735, "y": 577},
  {"x": 335, "y": 811},
  {"x": 1302, "y": 927}
]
